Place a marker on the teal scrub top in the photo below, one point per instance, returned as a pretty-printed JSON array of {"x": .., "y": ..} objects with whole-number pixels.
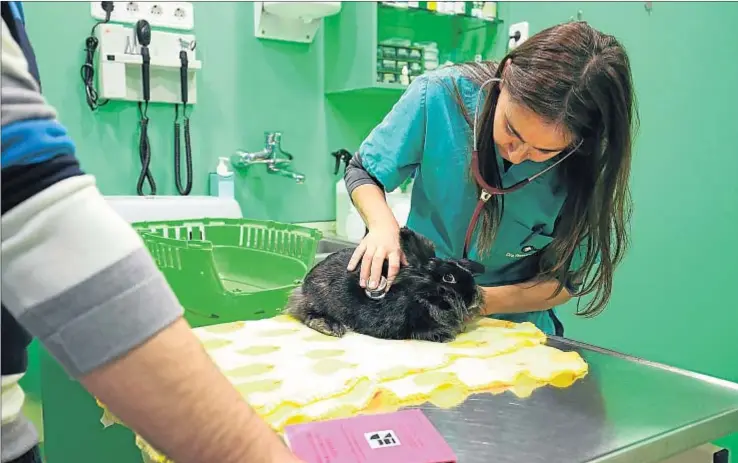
[{"x": 426, "y": 133}]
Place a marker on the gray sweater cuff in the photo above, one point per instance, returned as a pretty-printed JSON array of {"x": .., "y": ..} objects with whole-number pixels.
[{"x": 356, "y": 175}]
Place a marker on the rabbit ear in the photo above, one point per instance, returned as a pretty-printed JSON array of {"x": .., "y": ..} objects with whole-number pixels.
[
  {"x": 475, "y": 268},
  {"x": 418, "y": 249}
]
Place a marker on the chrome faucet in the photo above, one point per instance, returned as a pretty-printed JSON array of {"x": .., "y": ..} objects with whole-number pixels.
[{"x": 275, "y": 158}]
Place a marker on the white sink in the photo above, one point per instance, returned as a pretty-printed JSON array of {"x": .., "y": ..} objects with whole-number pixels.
[
  {"x": 330, "y": 244},
  {"x": 155, "y": 208}
]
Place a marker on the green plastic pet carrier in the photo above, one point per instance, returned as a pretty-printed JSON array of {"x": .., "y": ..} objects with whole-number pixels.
[{"x": 225, "y": 270}]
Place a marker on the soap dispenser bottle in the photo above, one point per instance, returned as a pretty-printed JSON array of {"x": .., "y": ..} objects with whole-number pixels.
[
  {"x": 343, "y": 201},
  {"x": 221, "y": 181}
]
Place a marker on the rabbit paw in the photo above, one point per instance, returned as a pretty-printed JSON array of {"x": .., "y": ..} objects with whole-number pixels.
[
  {"x": 434, "y": 336},
  {"x": 325, "y": 325}
]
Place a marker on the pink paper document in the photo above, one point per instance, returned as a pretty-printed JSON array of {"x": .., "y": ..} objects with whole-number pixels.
[{"x": 406, "y": 436}]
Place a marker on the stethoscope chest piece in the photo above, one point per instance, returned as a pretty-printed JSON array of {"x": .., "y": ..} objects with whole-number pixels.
[{"x": 379, "y": 292}]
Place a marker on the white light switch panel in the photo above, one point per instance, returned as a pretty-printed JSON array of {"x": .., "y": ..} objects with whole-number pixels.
[
  {"x": 173, "y": 15},
  {"x": 523, "y": 29}
]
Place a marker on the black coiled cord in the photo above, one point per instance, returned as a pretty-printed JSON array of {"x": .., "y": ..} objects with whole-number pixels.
[
  {"x": 88, "y": 69},
  {"x": 144, "y": 151},
  {"x": 178, "y": 150}
]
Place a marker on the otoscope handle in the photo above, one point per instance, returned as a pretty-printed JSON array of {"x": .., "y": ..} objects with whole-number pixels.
[
  {"x": 183, "y": 74},
  {"x": 143, "y": 37},
  {"x": 146, "y": 73}
]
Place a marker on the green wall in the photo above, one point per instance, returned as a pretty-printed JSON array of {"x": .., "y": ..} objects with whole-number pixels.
[
  {"x": 675, "y": 298},
  {"x": 247, "y": 86}
]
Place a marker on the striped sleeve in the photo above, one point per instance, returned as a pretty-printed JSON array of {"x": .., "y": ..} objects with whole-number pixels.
[
  {"x": 74, "y": 273},
  {"x": 36, "y": 149}
]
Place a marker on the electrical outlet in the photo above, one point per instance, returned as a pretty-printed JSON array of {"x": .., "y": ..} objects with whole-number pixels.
[
  {"x": 156, "y": 10},
  {"x": 121, "y": 11},
  {"x": 174, "y": 15},
  {"x": 518, "y": 33}
]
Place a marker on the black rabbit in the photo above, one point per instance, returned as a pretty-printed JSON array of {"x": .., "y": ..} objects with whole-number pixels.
[{"x": 431, "y": 299}]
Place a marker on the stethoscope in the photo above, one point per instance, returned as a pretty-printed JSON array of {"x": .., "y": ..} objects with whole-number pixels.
[{"x": 487, "y": 189}]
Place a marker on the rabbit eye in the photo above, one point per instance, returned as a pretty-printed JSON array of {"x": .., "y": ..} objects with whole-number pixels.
[{"x": 448, "y": 278}]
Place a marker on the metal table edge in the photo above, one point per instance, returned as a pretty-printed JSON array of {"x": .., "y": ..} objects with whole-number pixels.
[
  {"x": 674, "y": 442},
  {"x": 700, "y": 376}
]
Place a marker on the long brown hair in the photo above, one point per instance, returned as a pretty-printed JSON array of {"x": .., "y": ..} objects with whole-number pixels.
[{"x": 579, "y": 79}]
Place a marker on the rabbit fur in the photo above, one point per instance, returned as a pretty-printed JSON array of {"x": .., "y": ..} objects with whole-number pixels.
[{"x": 431, "y": 299}]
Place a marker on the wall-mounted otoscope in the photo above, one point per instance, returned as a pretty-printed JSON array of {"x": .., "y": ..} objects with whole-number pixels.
[
  {"x": 143, "y": 37},
  {"x": 183, "y": 68}
]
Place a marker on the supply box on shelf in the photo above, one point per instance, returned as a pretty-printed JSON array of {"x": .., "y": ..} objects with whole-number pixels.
[
  {"x": 379, "y": 48},
  {"x": 399, "y": 62},
  {"x": 482, "y": 10}
]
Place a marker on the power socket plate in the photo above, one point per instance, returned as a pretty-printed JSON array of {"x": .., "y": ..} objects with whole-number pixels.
[
  {"x": 172, "y": 15},
  {"x": 524, "y": 30}
]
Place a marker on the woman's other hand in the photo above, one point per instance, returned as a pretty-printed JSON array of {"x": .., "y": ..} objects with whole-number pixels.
[{"x": 380, "y": 244}]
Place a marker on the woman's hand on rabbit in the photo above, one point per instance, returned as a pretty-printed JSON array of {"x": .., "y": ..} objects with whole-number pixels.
[{"x": 380, "y": 244}]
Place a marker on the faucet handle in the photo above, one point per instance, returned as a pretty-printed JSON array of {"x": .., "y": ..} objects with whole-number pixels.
[{"x": 273, "y": 138}]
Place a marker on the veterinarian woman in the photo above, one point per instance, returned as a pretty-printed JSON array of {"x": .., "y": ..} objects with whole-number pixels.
[{"x": 561, "y": 101}]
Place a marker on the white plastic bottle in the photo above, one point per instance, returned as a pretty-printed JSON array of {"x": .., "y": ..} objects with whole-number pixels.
[
  {"x": 355, "y": 227},
  {"x": 394, "y": 199},
  {"x": 399, "y": 202},
  {"x": 222, "y": 180},
  {"x": 343, "y": 201},
  {"x": 343, "y": 207}
]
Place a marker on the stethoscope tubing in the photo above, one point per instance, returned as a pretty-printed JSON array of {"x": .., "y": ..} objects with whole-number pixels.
[{"x": 488, "y": 190}]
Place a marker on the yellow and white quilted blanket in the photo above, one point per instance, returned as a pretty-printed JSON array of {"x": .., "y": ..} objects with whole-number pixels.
[{"x": 291, "y": 374}]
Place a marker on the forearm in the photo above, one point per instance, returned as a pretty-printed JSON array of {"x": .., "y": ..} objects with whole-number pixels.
[
  {"x": 367, "y": 195},
  {"x": 529, "y": 296},
  {"x": 183, "y": 405},
  {"x": 369, "y": 200}
]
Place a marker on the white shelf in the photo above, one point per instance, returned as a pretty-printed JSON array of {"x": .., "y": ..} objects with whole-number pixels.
[
  {"x": 291, "y": 21},
  {"x": 119, "y": 65}
]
